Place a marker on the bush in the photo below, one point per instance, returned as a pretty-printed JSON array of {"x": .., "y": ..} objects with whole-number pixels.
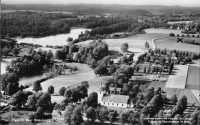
[{"x": 171, "y": 34}]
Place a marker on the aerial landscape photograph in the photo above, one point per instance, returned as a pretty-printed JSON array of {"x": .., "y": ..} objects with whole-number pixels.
[{"x": 100, "y": 62}]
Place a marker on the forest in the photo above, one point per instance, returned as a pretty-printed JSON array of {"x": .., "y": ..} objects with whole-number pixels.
[{"x": 27, "y": 23}]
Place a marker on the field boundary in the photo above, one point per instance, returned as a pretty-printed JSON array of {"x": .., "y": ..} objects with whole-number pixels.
[{"x": 153, "y": 42}]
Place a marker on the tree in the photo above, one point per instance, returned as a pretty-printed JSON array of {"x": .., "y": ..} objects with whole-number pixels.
[
  {"x": 130, "y": 58},
  {"x": 112, "y": 117},
  {"x": 62, "y": 91},
  {"x": 49, "y": 54},
  {"x": 145, "y": 69},
  {"x": 12, "y": 88},
  {"x": 50, "y": 90},
  {"x": 37, "y": 86},
  {"x": 45, "y": 68},
  {"x": 85, "y": 84},
  {"x": 76, "y": 117},
  {"x": 101, "y": 70},
  {"x": 91, "y": 114},
  {"x": 32, "y": 101},
  {"x": 171, "y": 34},
  {"x": 183, "y": 102},
  {"x": 134, "y": 118},
  {"x": 19, "y": 99},
  {"x": 67, "y": 115},
  {"x": 123, "y": 59},
  {"x": 66, "y": 101},
  {"x": 174, "y": 99},
  {"x": 124, "y": 47},
  {"x": 112, "y": 69},
  {"x": 5, "y": 51},
  {"x": 15, "y": 51},
  {"x": 137, "y": 68},
  {"x": 92, "y": 99},
  {"x": 123, "y": 117},
  {"x": 149, "y": 94},
  {"x": 44, "y": 101},
  {"x": 78, "y": 58},
  {"x": 10, "y": 83},
  {"x": 69, "y": 39},
  {"x": 146, "y": 45},
  {"x": 60, "y": 54},
  {"x": 68, "y": 93},
  {"x": 102, "y": 114}
]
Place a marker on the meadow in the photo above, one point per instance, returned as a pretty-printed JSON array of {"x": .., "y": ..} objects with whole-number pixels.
[{"x": 171, "y": 43}]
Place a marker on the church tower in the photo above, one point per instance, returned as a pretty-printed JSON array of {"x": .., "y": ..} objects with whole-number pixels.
[{"x": 100, "y": 94}]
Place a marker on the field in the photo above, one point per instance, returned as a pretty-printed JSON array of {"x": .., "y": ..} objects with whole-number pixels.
[
  {"x": 162, "y": 31},
  {"x": 85, "y": 74},
  {"x": 193, "y": 80},
  {"x": 136, "y": 43},
  {"x": 171, "y": 44},
  {"x": 178, "y": 80},
  {"x": 176, "y": 22},
  {"x": 184, "y": 82}
]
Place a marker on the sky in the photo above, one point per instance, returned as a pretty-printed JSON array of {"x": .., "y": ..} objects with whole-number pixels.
[{"x": 189, "y": 3}]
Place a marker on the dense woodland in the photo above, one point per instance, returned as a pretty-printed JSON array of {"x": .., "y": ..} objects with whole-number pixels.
[{"x": 33, "y": 24}]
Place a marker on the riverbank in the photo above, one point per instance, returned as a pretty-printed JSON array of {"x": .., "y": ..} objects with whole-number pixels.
[{"x": 53, "y": 40}]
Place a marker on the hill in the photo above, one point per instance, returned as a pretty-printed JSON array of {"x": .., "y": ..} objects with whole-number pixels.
[{"x": 100, "y": 8}]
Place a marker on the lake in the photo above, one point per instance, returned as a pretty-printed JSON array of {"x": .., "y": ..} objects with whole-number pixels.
[
  {"x": 59, "y": 39},
  {"x": 60, "y": 81},
  {"x": 53, "y": 40}
]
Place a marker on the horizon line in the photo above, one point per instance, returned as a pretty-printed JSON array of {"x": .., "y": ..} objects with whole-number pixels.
[{"x": 193, "y": 6}]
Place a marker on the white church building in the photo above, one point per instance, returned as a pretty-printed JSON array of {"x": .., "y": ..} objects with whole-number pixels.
[{"x": 114, "y": 100}]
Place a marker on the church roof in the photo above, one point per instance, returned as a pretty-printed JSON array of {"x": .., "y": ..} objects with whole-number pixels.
[{"x": 116, "y": 98}]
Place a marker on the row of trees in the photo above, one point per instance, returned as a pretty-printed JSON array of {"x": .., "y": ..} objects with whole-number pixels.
[{"x": 172, "y": 35}]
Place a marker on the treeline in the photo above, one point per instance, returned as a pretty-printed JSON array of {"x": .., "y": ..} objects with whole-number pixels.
[
  {"x": 30, "y": 64},
  {"x": 25, "y": 65},
  {"x": 33, "y": 24}
]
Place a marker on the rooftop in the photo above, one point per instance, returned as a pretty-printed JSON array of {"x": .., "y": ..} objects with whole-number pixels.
[{"x": 116, "y": 98}]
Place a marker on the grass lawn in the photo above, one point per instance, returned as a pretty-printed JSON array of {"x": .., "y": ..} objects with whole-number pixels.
[
  {"x": 178, "y": 80},
  {"x": 157, "y": 84},
  {"x": 171, "y": 44}
]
